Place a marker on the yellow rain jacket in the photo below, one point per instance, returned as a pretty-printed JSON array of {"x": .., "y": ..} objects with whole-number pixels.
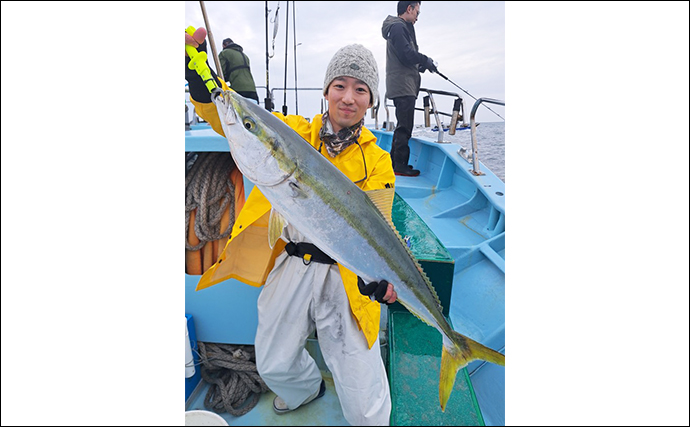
[{"x": 247, "y": 256}]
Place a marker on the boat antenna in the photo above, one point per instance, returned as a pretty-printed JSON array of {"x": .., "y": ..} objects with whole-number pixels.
[
  {"x": 219, "y": 71},
  {"x": 287, "y": 28},
  {"x": 294, "y": 56},
  {"x": 439, "y": 73}
]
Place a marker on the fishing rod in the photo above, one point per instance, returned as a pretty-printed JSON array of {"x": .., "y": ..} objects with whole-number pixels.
[
  {"x": 267, "y": 100},
  {"x": 294, "y": 55},
  {"x": 439, "y": 73},
  {"x": 219, "y": 71},
  {"x": 287, "y": 28}
]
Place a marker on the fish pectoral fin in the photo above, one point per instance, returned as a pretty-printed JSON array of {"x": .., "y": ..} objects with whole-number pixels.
[
  {"x": 383, "y": 200},
  {"x": 456, "y": 357},
  {"x": 276, "y": 223}
]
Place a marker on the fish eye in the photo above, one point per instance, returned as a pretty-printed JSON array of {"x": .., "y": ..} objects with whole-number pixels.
[{"x": 249, "y": 124}]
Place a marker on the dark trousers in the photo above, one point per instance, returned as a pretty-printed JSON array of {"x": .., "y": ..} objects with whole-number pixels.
[{"x": 404, "y": 114}]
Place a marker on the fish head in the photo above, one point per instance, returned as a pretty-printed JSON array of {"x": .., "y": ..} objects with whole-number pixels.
[{"x": 255, "y": 143}]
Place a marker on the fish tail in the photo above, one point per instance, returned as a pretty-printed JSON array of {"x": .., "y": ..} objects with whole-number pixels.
[{"x": 457, "y": 355}]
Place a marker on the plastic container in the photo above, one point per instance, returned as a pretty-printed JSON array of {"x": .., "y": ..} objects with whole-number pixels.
[
  {"x": 203, "y": 418},
  {"x": 189, "y": 369}
]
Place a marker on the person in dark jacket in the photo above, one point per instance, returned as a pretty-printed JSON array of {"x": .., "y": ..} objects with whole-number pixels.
[
  {"x": 235, "y": 65},
  {"x": 404, "y": 63}
]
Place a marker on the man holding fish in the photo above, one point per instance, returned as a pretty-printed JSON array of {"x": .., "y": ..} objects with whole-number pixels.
[{"x": 304, "y": 289}]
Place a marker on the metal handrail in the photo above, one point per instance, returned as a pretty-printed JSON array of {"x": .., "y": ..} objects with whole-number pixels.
[
  {"x": 475, "y": 153},
  {"x": 375, "y": 112},
  {"x": 292, "y": 88},
  {"x": 454, "y": 116},
  {"x": 459, "y": 113},
  {"x": 387, "y": 124},
  {"x": 435, "y": 110}
]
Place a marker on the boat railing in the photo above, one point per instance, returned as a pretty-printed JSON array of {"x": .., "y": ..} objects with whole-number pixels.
[
  {"x": 286, "y": 89},
  {"x": 375, "y": 115},
  {"x": 457, "y": 114},
  {"x": 473, "y": 127}
]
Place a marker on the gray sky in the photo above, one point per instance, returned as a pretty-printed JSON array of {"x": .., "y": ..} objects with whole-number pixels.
[{"x": 466, "y": 39}]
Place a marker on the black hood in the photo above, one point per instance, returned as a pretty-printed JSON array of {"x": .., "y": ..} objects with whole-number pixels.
[{"x": 388, "y": 23}]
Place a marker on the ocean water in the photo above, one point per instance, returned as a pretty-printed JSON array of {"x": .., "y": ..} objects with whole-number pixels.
[{"x": 490, "y": 143}]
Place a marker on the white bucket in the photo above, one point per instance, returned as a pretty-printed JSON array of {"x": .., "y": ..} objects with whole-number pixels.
[
  {"x": 189, "y": 369},
  {"x": 203, "y": 418}
]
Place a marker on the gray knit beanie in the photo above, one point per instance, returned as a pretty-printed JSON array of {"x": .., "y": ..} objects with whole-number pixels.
[{"x": 355, "y": 61}]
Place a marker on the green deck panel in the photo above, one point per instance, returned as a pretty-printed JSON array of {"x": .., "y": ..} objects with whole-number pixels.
[
  {"x": 414, "y": 372},
  {"x": 434, "y": 258},
  {"x": 425, "y": 244}
]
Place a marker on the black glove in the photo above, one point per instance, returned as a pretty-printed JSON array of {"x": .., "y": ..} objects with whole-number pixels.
[
  {"x": 431, "y": 65},
  {"x": 378, "y": 289},
  {"x": 197, "y": 88},
  {"x": 427, "y": 64}
]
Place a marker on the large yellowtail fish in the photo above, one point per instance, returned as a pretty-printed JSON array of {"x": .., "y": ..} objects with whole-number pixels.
[{"x": 346, "y": 223}]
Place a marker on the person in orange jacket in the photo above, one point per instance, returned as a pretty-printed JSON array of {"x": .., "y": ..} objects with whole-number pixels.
[{"x": 301, "y": 294}]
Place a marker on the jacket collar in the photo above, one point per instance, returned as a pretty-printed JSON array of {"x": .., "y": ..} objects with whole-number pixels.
[{"x": 365, "y": 137}]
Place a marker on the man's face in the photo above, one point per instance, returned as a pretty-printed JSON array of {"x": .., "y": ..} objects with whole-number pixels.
[
  {"x": 348, "y": 99},
  {"x": 412, "y": 13}
]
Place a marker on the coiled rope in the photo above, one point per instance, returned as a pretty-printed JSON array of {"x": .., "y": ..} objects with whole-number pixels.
[
  {"x": 209, "y": 190},
  {"x": 235, "y": 384}
]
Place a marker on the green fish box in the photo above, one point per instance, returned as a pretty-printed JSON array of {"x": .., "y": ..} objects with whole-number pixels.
[
  {"x": 414, "y": 348},
  {"x": 427, "y": 249}
]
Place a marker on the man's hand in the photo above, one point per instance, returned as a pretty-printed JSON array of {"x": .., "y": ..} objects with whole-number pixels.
[
  {"x": 429, "y": 64},
  {"x": 383, "y": 291},
  {"x": 201, "y": 79},
  {"x": 196, "y": 40},
  {"x": 432, "y": 65}
]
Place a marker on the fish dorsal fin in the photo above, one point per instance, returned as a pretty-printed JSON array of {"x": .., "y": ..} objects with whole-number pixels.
[
  {"x": 276, "y": 223},
  {"x": 432, "y": 290},
  {"x": 383, "y": 200}
]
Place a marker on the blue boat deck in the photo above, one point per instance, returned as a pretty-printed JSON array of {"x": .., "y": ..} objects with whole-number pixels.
[
  {"x": 467, "y": 215},
  {"x": 325, "y": 411}
]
